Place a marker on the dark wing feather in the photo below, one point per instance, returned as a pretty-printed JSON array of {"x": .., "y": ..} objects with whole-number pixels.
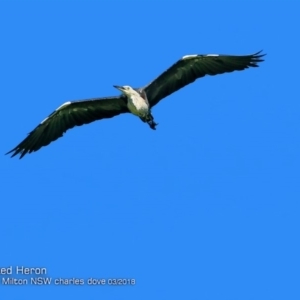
[
  {"x": 191, "y": 67},
  {"x": 67, "y": 116}
]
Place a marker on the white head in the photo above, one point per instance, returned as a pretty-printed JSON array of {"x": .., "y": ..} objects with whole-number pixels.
[{"x": 126, "y": 89}]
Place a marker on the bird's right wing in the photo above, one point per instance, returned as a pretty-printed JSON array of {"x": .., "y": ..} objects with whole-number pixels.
[
  {"x": 67, "y": 116},
  {"x": 191, "y": 67}
]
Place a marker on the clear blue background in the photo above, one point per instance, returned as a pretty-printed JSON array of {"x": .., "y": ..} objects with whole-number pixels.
[{"x": 207, "y": 206}]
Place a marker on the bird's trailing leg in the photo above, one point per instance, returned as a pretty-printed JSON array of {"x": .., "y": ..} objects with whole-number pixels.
[
  {"x": 150, "y": 121},
  {"x": 152, "y": 124}
]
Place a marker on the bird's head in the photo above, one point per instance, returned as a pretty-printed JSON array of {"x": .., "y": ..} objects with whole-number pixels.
[{"x": 126, "y": 89}]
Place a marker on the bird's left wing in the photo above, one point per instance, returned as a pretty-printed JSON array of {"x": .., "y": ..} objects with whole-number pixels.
[
  {"x": 67, "y": 116},
  {"x": 191, "y": 67}
]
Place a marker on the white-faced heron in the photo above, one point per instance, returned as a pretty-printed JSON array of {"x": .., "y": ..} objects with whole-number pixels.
[{"x": 138, "y": 101}]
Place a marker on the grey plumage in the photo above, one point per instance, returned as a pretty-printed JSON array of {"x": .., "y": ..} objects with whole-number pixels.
[{"x": 137, "y": 101}]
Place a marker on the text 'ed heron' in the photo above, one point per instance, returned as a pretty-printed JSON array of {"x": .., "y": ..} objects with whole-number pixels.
[{"x": 138, "y": 101}]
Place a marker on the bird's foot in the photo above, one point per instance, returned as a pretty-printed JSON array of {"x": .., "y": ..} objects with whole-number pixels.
[{"x": 152, "y": 124}]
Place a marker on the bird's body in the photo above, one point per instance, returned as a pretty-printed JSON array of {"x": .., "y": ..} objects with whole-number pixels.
[
  {"x": 137, "y": 105},
  {"x": 137, "y": 101}
]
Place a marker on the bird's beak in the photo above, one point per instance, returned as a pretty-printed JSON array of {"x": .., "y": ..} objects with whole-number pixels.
[{"x": 120, "y": 88}]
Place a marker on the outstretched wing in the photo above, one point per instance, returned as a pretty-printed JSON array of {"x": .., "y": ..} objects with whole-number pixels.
[
  {"x": 191, "y": 67},
  {"x": 67, "y": 116}
]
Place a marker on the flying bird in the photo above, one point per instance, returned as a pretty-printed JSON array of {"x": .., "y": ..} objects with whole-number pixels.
[{"x": 138, "y": 101}]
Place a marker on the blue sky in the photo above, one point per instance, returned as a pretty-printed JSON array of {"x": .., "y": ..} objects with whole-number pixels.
[{"x": 206, "y": 206}]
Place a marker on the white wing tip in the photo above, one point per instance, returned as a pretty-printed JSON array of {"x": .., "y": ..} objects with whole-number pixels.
[
  {"x": 195, "y": 55},
  {"x": 63, "y": 105},
  {"x": 189, "y": 56},
  {"x": 44, "y": 120}
]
